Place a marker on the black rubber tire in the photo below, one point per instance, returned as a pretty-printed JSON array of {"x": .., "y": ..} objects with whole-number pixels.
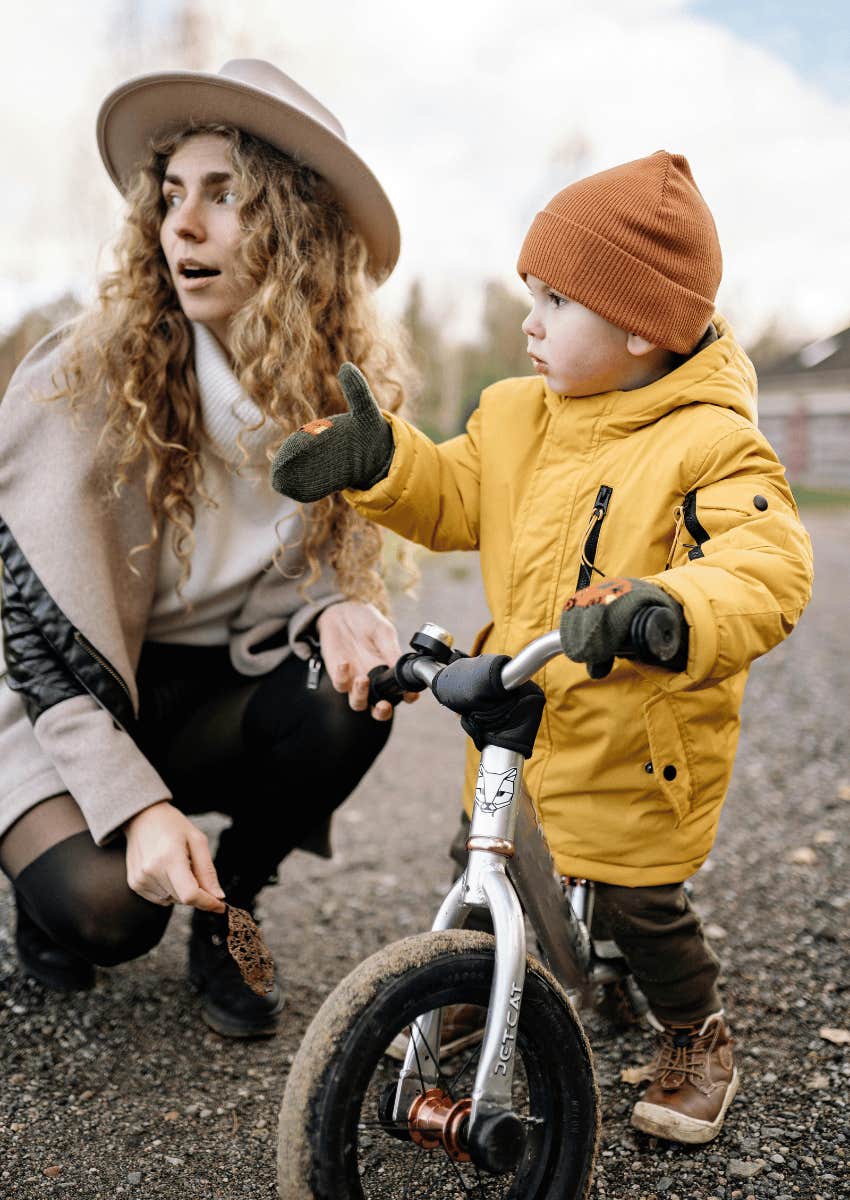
[{"x": 323, "y": 1153}]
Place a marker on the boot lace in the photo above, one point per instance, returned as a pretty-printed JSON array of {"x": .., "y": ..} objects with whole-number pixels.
[{"x": 684, "y": 1053}]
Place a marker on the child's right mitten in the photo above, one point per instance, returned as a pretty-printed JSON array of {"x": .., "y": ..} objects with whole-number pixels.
[
  {"x": 350, "y": 450},
  {"x": 491, "y": 714}
]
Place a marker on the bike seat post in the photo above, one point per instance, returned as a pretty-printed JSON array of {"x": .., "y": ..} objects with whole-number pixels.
[{"x": 579, "y": 894}]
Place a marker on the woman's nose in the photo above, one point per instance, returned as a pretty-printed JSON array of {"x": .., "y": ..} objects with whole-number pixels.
[{"x": 189, "y": 224}]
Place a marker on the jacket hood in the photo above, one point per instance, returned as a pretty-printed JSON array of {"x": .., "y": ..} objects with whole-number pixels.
[{"x": 721, "y": 374}]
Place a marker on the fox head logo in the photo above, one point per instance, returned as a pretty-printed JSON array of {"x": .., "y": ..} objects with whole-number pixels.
[{"x": 494, "y": 789}]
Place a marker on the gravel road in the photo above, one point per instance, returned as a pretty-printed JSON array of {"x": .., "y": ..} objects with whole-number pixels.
[{"x": 122, "y": 1092}]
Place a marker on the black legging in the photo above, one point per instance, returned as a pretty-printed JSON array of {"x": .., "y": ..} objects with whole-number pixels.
[{"x": 275, "y": 756}]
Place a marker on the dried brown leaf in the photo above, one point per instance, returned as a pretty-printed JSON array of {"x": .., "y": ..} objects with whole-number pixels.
[
  {"x": 640, "y": 1074},
  {"x": 248, "y": 950}
]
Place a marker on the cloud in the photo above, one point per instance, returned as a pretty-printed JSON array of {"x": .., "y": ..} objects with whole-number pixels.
[{"x": 472, "y": 114}]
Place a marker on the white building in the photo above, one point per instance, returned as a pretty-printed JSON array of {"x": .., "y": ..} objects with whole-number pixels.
[{"x": 804, "y": 411}]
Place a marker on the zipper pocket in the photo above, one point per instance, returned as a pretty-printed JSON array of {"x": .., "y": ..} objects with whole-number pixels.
[
  {"x": 693, "y": 526},
  {"x": 591, "y": 538},
  {"x": 98, "y": 658}
]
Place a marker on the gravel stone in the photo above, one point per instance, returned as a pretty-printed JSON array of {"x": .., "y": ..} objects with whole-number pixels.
[
  {"x": 135, "y": 1048},
  {"x": 745, "y": 1170}
]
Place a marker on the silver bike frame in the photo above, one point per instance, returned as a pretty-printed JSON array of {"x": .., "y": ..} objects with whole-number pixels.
[{"x": 499, "y": 804}]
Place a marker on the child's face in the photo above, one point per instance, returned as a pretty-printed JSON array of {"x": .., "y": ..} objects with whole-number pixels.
[{"x": 578, "y": 352}]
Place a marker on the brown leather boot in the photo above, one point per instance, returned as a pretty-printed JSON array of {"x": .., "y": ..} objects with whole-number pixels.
[
  {"x": 462, "y": 1027},
  {"x": 694, "y": 1080}
]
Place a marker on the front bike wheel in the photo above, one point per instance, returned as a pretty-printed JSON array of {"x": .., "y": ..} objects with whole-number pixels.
[{"x": 334, "y": 1139}]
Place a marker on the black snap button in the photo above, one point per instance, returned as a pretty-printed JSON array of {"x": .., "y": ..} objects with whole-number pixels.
[
  {"x": 648, "y": 768},
  {"x": 669, "y": 772},
  {"x": 760, "y": 502}
]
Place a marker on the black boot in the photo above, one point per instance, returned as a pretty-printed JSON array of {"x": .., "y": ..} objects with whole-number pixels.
[
  {"x": 228, "y": 1004},
  {"x": 43, "y": 959}
]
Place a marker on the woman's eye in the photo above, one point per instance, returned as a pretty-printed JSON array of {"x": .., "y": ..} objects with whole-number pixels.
[
  {"x": 171, "y": 200},
  {"x": 228, "y": 197}
]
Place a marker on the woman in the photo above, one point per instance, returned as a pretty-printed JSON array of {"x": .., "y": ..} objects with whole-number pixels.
[{"x": 165, "y": 613}]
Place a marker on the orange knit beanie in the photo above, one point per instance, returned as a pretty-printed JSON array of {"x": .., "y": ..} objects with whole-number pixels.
[{"x": 637, "y": 245}]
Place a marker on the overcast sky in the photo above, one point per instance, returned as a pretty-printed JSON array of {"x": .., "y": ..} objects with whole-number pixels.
[{"x": 473, "y": 113}]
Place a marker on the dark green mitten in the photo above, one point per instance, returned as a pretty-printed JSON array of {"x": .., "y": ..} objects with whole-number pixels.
[
  {"x": 596, "y": 622},
  {"x": 352, "y": 449}
]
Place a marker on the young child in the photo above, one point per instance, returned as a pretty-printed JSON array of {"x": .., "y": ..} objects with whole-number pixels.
[{"x": 632, "y": 453}]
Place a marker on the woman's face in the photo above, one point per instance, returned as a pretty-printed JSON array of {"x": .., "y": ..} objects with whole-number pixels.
[{"x": 200, "y": 233}]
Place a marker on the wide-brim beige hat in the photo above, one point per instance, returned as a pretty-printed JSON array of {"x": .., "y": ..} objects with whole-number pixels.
[{"x": 256, "y": 97}]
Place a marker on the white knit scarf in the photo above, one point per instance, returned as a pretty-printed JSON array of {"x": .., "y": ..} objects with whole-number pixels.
[{"x": 227, "y": 410}]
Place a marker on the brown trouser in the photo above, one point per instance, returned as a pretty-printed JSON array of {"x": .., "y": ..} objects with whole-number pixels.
[
  {"x": 658, "y": 934},
  {"x": 660, "y": 937}
]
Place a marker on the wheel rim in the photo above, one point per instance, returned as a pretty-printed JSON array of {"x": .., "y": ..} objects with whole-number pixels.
[
  {"x": 332, "y": 1145},
  {"x": 390, "y": 1169}
]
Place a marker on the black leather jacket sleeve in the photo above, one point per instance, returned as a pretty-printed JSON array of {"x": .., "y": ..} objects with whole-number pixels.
[{"x": 34, "y": 668}]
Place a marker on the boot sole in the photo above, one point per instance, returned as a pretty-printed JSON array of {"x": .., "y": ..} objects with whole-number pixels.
[
  {"x": 78, "y": 980},
  {"x": 663, "y": 1122},
  {"x": 226, "y": 1025}
]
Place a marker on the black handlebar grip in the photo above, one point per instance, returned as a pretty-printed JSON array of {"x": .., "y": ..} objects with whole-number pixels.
[
  {"x": 383, "y": 685},
  {"x": 655, "y": 634},
  {"x": 391, "y": 683}
]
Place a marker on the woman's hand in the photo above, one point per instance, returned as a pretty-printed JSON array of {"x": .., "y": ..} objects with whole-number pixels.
[
  {"x": 355, "y": 638},
  {"x": 169, "y": 861}
]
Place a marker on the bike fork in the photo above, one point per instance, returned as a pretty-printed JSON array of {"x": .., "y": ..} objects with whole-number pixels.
[{"x": 484, "y": 884}]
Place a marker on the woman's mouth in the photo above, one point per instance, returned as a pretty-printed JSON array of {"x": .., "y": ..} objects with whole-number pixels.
[{"x": 194, "y": 275}]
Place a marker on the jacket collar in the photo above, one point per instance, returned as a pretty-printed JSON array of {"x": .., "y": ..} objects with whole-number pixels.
[
  {"x": 719, "y": 373},
  {"x": 228, "y": 412}
]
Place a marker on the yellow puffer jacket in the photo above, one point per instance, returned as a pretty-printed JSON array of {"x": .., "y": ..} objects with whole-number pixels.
[{"x": 671, "y": 482}]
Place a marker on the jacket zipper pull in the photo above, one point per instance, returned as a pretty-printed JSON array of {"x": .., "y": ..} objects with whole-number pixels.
[
  {"x": 679, "y": 514},
  {"x": 595, "y": 516},
  {"x": 598, "y": 515},
  {"x": 314, "y": 671},
  {"x": 587, "y": 551}
]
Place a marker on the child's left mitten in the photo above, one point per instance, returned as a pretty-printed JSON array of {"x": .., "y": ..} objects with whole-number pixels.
[{"x": 596, "y": 622}]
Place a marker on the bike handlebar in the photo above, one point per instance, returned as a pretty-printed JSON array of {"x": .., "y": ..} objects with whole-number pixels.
[{"x": 655, "y": 637}]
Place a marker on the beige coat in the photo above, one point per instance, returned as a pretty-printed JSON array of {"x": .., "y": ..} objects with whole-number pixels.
[{"x": 71, "y": 541}]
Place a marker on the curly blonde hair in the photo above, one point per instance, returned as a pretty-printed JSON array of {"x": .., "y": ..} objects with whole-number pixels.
[{"x": 311, "y": 310}]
